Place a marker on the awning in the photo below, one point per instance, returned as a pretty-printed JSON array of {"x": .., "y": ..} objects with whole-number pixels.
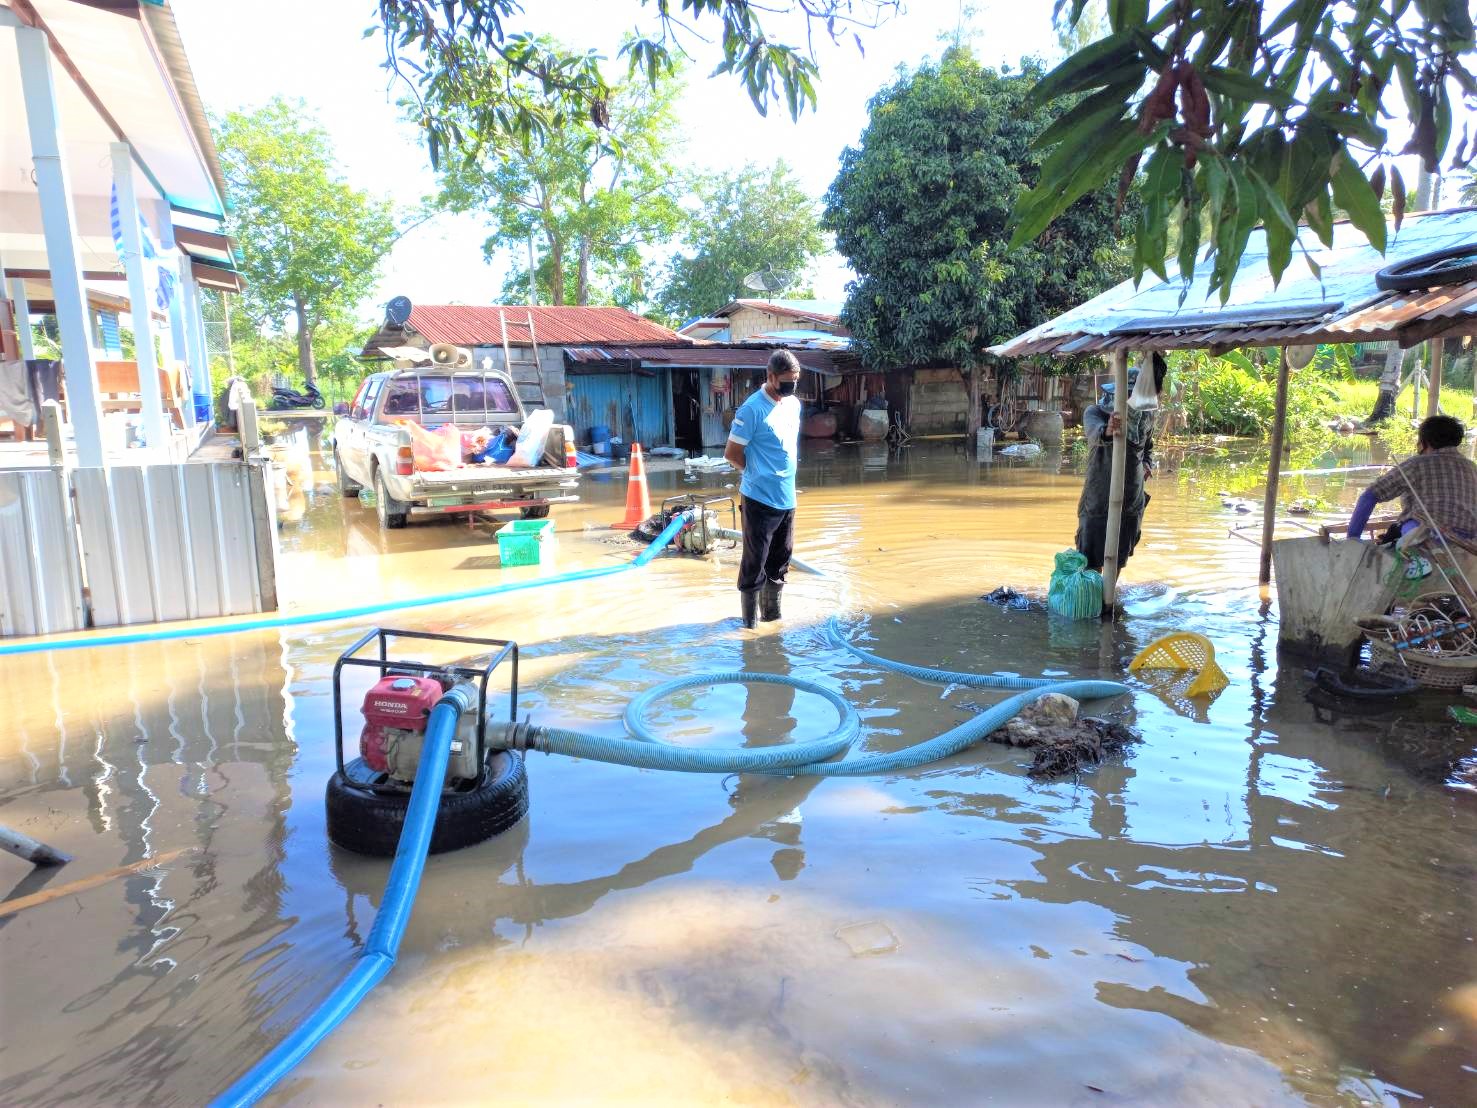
[{"x": 1338, "y": 304}]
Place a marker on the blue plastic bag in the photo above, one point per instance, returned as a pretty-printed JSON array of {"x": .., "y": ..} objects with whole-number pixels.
[{"x": 1075, "y": 591}]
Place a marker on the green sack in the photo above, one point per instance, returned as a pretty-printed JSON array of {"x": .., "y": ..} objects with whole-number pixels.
[{"x": 1076, "y": 591}]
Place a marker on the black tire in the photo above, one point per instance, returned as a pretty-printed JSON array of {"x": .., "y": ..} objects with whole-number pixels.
[
  {"x": 392, "y": 513},
  {"x": 538, "y": 511},
  {"x": 369, "y": 822},
  {"x": 318, "y": 401},
  {"x": 345, "y": 486},
  {"x": 1439, "y": 267}
]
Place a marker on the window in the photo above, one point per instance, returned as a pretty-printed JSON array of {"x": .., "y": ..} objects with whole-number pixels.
[
  {"x": 357, "y": 408},
  {"x": 468, "y": 399},
  {"x": 499, "y": 397},
  {"x": 435, "y": 397},
  {"x": 402, "y": 398},
  {"x": 371, "y": 394}
]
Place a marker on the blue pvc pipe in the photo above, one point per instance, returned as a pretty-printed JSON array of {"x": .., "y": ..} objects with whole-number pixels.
[
  {"x": 378, "y": 956},
  {"x": 266, "y": 623}
]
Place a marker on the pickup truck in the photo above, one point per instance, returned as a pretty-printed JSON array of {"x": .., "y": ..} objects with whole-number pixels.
[{"x": 372, "y": 450}]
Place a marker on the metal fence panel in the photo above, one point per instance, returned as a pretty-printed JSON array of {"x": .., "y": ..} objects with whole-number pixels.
[
  {"x": 40, "y": 574},
  {"x": 168, "y": 542}
]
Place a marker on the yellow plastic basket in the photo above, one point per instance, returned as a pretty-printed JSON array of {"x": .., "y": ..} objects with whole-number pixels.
[{"x": 1184, "y": 650}]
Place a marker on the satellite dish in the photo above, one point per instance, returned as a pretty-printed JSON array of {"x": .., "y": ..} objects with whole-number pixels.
[
  {"x": 397, "y": 311},
  {"x": 767, "y": 280}
]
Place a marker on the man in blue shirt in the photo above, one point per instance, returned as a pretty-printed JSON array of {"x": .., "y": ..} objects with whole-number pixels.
[{"x": 764, "y": 445}]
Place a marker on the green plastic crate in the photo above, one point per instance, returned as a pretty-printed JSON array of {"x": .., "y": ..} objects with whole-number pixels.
[{"x": 522, "y": 542}]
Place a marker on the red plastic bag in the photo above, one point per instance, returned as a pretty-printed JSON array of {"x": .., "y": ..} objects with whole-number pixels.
[{"x": 438, "y": 449}]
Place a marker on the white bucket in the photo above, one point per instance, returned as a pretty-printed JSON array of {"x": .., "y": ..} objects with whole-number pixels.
[{"x": 984, "y": 444}]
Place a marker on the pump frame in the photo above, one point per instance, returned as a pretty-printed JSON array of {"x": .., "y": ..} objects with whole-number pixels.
[{"x": 501, "y": 650}]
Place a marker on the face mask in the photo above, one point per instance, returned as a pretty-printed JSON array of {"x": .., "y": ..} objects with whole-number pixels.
[{"x": 785, "y": 388}]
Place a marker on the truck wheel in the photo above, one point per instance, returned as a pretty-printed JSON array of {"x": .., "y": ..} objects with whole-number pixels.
[
  {"x": 345, "y": 486},
  {"x": 538, "y": 511},
  {"x": 392, "y": 513},
  {"x": 368, "y": 822}
]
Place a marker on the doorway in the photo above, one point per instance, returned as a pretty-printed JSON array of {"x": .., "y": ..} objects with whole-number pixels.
[{"x": 687, "y": 411}]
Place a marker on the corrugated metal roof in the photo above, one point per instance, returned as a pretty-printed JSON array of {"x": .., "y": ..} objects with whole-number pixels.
[
  {"x": 1340, "y": 303},
  {"x": 702, "y": 356},
  {"x": 553, "y": 326}
]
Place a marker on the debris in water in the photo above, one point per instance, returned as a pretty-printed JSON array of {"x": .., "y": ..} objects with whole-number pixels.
[
  {"x": 1063, "y": 742},
  {"x": 1007, "y": 597},
  {"x": 870, "y": 937}
]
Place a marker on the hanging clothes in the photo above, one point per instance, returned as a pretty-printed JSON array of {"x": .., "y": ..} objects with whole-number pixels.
[{"x": 15, "y": 394}]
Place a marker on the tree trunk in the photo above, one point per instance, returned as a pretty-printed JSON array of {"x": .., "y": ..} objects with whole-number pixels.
[
  {"x": 1384, "y": 405},
  {"x": 972, "y": 420},
  {"x": 556, "y": 270},
  {"x": 582, "y": 279},
  {"x": 304, "y": 343}
]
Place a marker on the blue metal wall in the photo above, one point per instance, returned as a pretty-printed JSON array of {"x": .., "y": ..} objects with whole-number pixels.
[{"x": 632, "y": 406}]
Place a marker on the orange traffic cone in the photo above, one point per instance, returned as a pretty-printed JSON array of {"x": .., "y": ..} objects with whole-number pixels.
[{"x": 638, "y": 499}]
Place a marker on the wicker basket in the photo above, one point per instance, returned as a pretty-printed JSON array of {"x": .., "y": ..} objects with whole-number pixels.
[{"x": 1433, "y": 671}]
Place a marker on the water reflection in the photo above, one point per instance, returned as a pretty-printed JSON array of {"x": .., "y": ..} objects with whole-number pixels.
[{"x": 1282, "y": 906}]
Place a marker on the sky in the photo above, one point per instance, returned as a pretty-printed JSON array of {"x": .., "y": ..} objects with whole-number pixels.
[{"x": 314, "y": 50}]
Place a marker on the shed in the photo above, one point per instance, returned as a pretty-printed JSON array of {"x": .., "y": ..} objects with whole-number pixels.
[
  {"x": 701, "y": 383},
  {"x": 1339, "y": 302},
  {"x": 528, "y": 340}
]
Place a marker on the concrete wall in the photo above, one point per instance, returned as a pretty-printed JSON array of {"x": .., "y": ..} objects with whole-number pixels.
[
  {"x": 551, "y": 374},
  {"x": 938, "y": 402},
  {"x": 747, "y": 322}
]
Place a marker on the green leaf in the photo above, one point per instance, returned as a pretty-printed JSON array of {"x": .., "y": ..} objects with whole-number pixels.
[
  {"x": 1069, "y": 174},
  {"x": 1244, "y": 88},
  {"x": 1352, "y": 193},
  {"x": 1356, "y": 125},
  {"x": 1443, "y": 119},
  {"x": 1103, "y": 62},
  {"x": 1280, "y": 227},
  {"x": 1126, "y": 14},
  {"x": 1319, "y": 214},
  {"x": 1189, "y": 238},
  {"x": 1087, "y": 117}
]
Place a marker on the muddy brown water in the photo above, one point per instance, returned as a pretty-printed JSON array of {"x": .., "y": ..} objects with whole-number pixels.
[{"x": 1253, "y": 907}]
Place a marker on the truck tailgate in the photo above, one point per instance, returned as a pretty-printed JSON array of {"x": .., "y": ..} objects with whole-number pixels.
[{"x": 473, "y": 477}]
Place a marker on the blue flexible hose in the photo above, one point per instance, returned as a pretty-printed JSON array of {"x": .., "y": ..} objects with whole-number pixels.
[
  {"x": 383, "y": 943},
  {"x": 810, "y": 759},
  {"x": 265, "y": 623},
  {"x": 645, "y": 751}
]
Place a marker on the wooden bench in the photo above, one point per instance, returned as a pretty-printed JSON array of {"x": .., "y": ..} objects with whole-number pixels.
[{"x": 118, "y": 389}]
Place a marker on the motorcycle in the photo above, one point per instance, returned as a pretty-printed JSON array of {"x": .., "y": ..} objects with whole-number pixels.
[{"x": 284, "y": 399}]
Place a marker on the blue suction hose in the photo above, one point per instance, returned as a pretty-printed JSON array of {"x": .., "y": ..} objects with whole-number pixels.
[
  {"x": 265, "y": 623},
  {"x": 378, "y": 956}
]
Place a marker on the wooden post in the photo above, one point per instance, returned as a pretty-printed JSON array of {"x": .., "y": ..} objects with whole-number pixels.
[
  {"x": 33, "y": 851},
  {"x": 1115, "y": 484},
  {"x": 1274, "y": 471},
  {"x": 1433, "y": 388},
  {"x": 972, "y": 421}
]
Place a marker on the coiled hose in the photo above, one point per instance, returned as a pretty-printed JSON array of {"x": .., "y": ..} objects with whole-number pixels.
[{"x": 646, "y": 750}]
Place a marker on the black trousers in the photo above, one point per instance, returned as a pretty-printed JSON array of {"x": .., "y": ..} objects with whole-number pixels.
[{"x": 769, "y": 538}]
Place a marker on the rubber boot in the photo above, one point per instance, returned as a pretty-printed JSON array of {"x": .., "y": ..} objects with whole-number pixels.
[
  {"x": 769, "y": 601},
  {"x": 749, "y": 598}
]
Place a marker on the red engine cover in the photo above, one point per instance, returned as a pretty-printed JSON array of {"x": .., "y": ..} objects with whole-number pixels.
[{"x": 401, "y": 703}]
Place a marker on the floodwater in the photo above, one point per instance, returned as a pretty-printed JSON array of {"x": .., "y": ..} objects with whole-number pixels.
[{"x": 1252, "y": 908}]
